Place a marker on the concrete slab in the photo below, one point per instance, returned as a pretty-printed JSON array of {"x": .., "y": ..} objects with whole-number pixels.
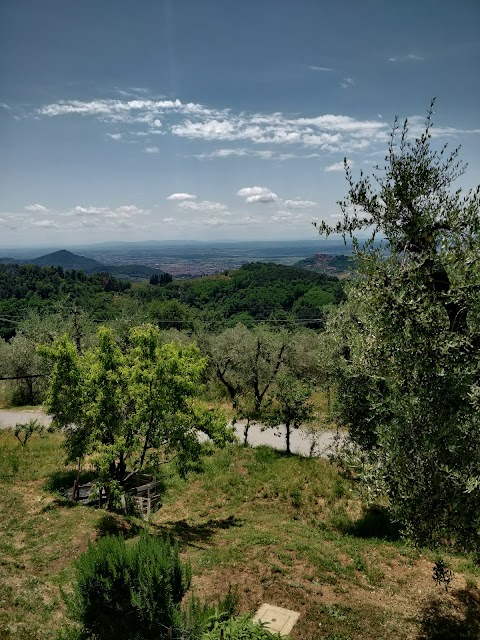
[{"x": 277, "y": 619}]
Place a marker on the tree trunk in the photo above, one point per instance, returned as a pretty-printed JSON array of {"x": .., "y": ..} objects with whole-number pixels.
[
  {"x": 287, "y": 436},
  {"x": 245, "y": 432}
]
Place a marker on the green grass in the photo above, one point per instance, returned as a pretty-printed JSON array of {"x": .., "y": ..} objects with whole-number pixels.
[{"x": 286, "y": 530}]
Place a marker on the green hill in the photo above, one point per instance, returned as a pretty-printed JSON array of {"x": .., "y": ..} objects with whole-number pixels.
[
  {"x": 327, "y": 263},
  {"x": 67, "y": 260}
]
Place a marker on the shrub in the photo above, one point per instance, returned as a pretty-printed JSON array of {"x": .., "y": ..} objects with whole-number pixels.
[{"x": 128, "y": 590}]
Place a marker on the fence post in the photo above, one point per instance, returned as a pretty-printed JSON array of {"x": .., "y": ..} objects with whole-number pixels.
[
  {"x": 169, "y": 633},
  {"x": 221, "y": 634}
]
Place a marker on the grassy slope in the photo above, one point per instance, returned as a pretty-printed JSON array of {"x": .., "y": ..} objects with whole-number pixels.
[{"x": 288, "y": 531}]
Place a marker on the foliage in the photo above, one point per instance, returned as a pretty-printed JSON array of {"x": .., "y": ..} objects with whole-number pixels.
[
  {"x": 200, "y": 616},
  {"x": 408, "y": 339},
  {"x": 130, "y": 407},
  {"x": 238, "y": 628},
  {"x": 19, "y": 358},
  {"x": 30, "y": 287},
  {"x": 128, "y": 591},
  {"x": 253, "y": 293},
  {"x": 162, "y": 279},
  {"x": 291, "y": 405},
  {"x": 247, "y": 363}
]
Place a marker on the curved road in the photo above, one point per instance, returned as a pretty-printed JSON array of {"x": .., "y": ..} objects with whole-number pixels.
[{"x": 302, "y": 442}]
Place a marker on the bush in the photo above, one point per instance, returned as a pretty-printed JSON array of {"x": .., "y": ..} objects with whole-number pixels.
[{"x": 128, "y": 590}]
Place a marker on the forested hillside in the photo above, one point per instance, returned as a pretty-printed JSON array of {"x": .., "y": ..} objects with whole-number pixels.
[
  {"x": 25, "y": 288},
  {"x": 256, "y": 292}
]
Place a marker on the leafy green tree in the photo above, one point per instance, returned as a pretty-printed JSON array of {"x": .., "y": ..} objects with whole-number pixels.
[
  {"x": 408, "y": 339},
  {"x": 247, "y": 362},
  {"x": 290, "y": 405},
  {"x": 131, "y": 407},
  {"x": 19, "y": 360}
]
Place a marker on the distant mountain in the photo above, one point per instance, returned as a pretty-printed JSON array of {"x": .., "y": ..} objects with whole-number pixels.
[
  {"x": 327, "y": 263},
  {"x": 69, "y": 260}
]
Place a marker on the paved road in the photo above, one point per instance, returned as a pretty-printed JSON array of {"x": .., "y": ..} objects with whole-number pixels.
[{"x": 301, "y": 441}]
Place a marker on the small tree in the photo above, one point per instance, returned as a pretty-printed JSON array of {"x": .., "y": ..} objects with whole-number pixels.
[
  {"x": 25, "y": 430},
  {"x": 132, "y": 407},
  {"x": 290, "y": 405}
]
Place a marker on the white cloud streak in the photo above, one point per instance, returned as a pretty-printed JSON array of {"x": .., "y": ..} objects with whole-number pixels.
[
  {"x": 333, "y": 133},
  {"x": 411, "y": 57},
  {"x": 315, "y": 68}
]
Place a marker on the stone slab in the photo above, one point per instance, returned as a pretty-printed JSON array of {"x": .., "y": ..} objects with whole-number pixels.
[{"x": 277, "y": 619}]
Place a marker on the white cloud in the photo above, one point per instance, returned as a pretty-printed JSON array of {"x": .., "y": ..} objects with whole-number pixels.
[
  {"x": 264, "y": 198},
  {"x": 298, "y": 203},
  {"x": 115, "y": 136},
  {"x": 203, "y": 205},
  {"x": 224, "y": 153},
  {"x": 336, "y": 166},
  {"x": 131, "y": 209},
  {"x": 208, "y": 130},
  {"x": 181, "y": 196},
  {"x": 254, "y": 195},
  {"x": 247, "y": 220},
  {"x": 36, "y": 208},
  {"x": 168, "y": 219},
  {"x": 4, "y": 105},
  {"x": 151, "y": 149},
  {"x": 9, "y": 221},
  {"x": 333, "y": 133},
  {"x": 124, "y": 211},
  {"x": 411, "y": 57},
  {"x": 82, "y": 211},
  {"x": 253, "y": 191},
  {"x": 214, "y": 222},
  {"x": 118, "y": 110},
  {"x": 286, "y": 216}
]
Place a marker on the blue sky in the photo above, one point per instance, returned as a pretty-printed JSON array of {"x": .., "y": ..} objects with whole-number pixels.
[{"x": 216, "y": 119}]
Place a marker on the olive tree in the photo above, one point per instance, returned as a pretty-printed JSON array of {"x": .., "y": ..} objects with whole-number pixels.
[
  {"x": 408, "y": 338},
  {"x": 246, "y": 362}
]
